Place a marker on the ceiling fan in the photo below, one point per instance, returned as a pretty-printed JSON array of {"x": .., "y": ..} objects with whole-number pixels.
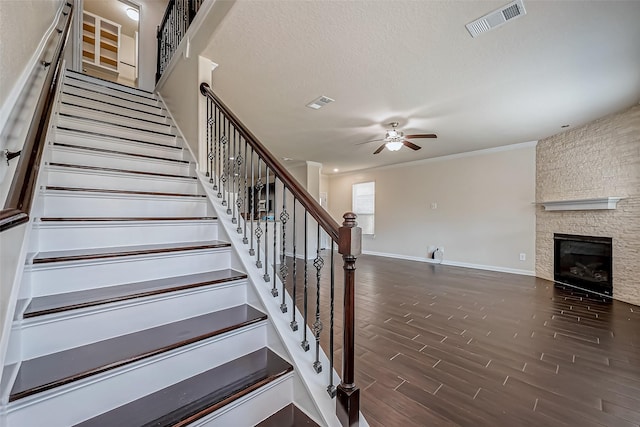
[{"x": 395, "y": 139}]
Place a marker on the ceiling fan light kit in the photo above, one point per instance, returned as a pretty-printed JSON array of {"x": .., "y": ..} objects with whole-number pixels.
[
  {"x": 394, "y": 145},
  {"x": 394, "y": 139}
]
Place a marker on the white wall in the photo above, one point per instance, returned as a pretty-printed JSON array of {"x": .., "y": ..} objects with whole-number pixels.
[
  {"x": 23, "y": 23},
  {"x": 151, "y": 12},
  {"x": 485, "y": 216}
]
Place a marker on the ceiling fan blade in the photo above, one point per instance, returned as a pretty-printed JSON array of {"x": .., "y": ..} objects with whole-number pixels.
[
  {"x": 411, "y": 145},
  {"x": 422, "y": 135},
  {"x": 366, "y": 142},
  {"x": 379, "y": 149}
]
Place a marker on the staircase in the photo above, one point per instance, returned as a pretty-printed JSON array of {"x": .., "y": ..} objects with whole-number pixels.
[{"x": 133, "y": 310}]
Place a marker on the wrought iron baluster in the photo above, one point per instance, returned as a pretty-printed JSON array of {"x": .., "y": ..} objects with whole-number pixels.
[
  {"x": 284, "y": 270},
  {"x": 215, "y": 171},
  {"x": 228, "y": 172},
  {"x": 274, "y": 290},
  {"x": 218, "y": 154},
  {"x": 209, "y": 147},
  {"x": 258, "y": 189},
  {"x": 223, "y": 167},
  {"x": 245, "y": 240},
  {"x": 239, "y": 198},
  {"x": 294, "y": 323},
  {"x": 331, "y": 389},
  {"x": 305, "y": 343},
  {"x": 233, "y": 178},
  {"x": 252, "y": 251},
  {"x": 318, "y": 263},
  {"x": 266, "y": 231}
]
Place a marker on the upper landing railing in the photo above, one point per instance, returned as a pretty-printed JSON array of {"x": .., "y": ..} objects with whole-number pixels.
[
  {"x": 275, "y": 216},
  {"x": 175, "y": 23}
]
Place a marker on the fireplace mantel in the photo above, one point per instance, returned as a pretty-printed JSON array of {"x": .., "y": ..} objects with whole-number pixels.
[{"x": 582, "y": 204}]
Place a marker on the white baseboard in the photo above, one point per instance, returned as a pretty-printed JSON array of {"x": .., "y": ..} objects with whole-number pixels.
[{"x": 454, "y": 263}]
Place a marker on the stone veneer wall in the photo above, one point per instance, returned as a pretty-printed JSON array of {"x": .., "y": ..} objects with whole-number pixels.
[{"x": 600, "y": 159}]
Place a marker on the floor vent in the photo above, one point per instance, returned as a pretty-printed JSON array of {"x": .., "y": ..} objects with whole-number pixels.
[{"x": 496, "y": 18}]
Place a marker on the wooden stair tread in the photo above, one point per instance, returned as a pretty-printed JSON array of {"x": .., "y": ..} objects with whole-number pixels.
[
  {"x": 131, "y": 192},
  {"x": 84, "y": 107},
  {"x": 53, "y": 370},
  {"x": 110, "y": 84},
  {"x": 198, "y": 396},
  {"x": 106, "y": 219},
  {"x": 289, "y": 416},
  {"x": 111, "y": 95},
  {"x": 123, "y": 251},
  {"x": 112, "y": 104},
  {"x": 124, "y": 138},
  {"x": 127, "y": 171},
  {"x": 58, "y": 303},
  {"x": 128, "y": 127},
  {"x": 121, "y": 153}
]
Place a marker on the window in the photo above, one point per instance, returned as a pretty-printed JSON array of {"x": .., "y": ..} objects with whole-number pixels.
[{"x": 364, "y": 205}]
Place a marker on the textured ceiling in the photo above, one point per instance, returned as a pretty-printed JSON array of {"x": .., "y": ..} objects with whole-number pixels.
[{"x": 565, "y": 62}]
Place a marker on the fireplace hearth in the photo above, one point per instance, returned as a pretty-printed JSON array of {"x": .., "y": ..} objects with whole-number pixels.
[{"x": 584, "y": 262}]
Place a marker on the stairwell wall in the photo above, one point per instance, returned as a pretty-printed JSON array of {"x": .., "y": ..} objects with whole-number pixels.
[{"x": 23, "y": 24}]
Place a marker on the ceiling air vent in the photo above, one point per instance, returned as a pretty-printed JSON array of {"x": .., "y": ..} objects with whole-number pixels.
[
  {"x": 319, "y": 102},
  {"x": 496, "y": 18}
]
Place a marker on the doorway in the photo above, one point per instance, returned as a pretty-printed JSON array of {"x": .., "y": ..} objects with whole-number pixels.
[{"x": 110, "y": 30}]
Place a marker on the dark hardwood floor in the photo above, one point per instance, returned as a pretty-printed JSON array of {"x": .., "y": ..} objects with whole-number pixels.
[{"x": 440, "y": 345}]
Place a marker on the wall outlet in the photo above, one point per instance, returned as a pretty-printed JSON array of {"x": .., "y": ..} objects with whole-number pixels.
[
  {"x": 434, "y": 205},
  {"x": 523, "y": 256}
]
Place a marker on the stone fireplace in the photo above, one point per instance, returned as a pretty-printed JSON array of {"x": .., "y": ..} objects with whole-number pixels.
[
  {"x": 584, "y": 262},
  {"x": 588, "y": 184}
]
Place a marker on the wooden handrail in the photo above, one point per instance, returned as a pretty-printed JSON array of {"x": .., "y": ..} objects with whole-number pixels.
[
  {"x": 323, "y": 218},
  {"x": 17, "y": 207}
]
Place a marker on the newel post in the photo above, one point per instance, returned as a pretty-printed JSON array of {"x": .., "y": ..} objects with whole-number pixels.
[{"x": 348, "y": 395}]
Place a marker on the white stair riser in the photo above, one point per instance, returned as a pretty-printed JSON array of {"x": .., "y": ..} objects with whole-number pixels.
[
  {"x": 77, "y": 77},
  {"x": 61, "y": 332},
  {"x": 114, "y": 118},
  {"x": 254, "y": 408},
  {"x": 115, "y": 144},
  {"x": 47, "y": 236},
  {"x": 117, "y": 99},
  {"x": 76, "y": 156},
  {"x": 62, "y": 204},
  {"x": 70, "y": 277},
  {"x": 136, "y": 112},
  {"x": 71, "y": 177},
  {"x": 87, "y": 398},
  {"x": 107, "y": 129},
  {"x": 99, "y": 88}
]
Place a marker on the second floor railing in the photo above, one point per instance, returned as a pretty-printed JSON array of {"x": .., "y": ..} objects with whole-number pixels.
[
  {"x": 175, "y": 23},
  {"x": 292, "y": 239}
]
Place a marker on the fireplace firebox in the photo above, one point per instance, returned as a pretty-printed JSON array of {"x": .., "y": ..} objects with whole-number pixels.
[{"x": 584, "y": 262}]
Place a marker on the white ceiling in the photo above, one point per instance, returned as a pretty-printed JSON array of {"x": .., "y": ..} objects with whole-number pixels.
[
  {"x": 565, "y": 62},
  {"x": 113, "y": 10}
]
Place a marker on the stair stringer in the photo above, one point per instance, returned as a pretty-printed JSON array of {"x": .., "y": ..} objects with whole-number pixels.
[{"x": 314, "y": 386}]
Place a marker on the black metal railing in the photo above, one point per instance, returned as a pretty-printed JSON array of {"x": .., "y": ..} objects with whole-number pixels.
[
  {"x": 176, "y": 21},
  {"x": 275, "y": 216},
  {"x": 17, "y": 206}
]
